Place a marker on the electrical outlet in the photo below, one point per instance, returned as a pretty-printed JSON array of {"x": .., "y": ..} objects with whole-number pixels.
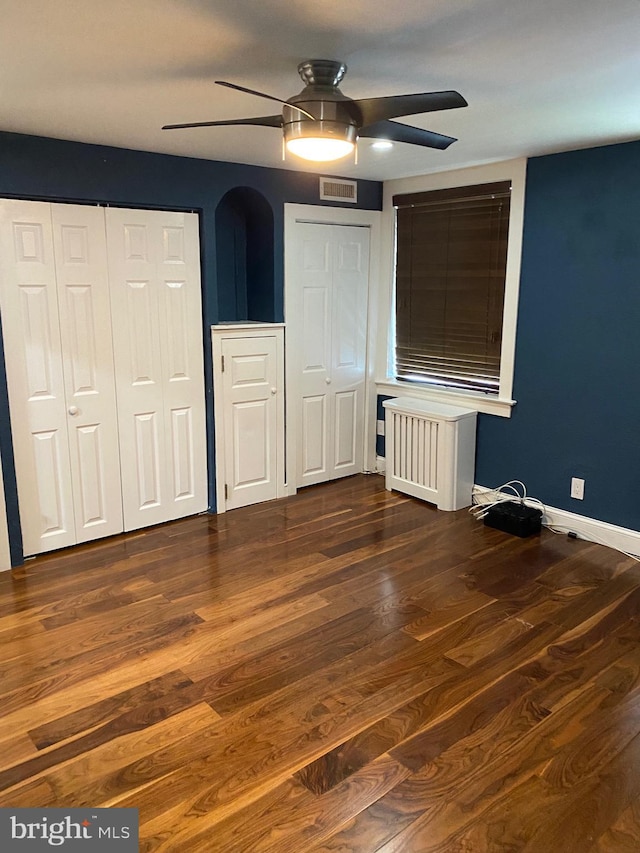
[{"x": 577, "y": 488}]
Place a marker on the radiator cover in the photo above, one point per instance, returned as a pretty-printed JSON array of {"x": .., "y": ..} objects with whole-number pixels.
[{"x": 430, "y": 451}]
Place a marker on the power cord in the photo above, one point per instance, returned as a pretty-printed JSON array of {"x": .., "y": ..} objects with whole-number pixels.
[
  {"x": 567, "y": 531},
  {"x": 498, "y": 495}
]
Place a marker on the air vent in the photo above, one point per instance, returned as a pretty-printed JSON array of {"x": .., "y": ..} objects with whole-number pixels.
[{"x": 332, "y": 189}]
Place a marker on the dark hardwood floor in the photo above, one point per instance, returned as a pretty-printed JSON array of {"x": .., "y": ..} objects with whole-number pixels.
[{"x": 347, "y": 670}]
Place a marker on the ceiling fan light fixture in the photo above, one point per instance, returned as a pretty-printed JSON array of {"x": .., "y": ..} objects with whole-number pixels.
[
  {"x": 321, "y": 149},
  {"x": 321, "y": 125},
  {"x": 322, "y": 140}
]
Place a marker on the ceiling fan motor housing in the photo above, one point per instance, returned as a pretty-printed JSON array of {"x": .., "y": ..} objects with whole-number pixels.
[
  {"x": 322, "y": 72},
  {"x": 334, "y": 114},
  {"x": 320, "y": 123}
]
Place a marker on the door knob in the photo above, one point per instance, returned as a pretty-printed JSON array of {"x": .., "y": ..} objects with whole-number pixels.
[
  {"x": 328, "y": 380},
  {"x": 73, "y": 410},
  {"x": 274, "y": 390}
]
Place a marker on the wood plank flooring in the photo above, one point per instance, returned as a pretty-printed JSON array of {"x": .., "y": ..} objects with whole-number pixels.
[{"x": 349, "y": 670}]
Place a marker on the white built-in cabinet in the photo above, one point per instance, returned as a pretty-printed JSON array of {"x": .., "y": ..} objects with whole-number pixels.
[
  {"x": 248, "y": 379},
  {"x": 102, "y": 325}
]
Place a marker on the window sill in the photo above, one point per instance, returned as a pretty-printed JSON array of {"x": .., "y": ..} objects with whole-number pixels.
[{"x": 480, "y": 402}]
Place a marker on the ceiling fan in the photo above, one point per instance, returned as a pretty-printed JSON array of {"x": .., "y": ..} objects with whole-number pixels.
[{"x": 321, "y": 124}]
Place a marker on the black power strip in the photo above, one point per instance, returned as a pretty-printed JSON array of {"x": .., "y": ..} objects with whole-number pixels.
[{"x": 515, "y": 518}]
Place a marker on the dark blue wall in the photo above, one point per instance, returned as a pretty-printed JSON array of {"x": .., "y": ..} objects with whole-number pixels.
[
  {"x": 49, "y": 169},
  {"x": 578, "y": 340},
  {"x": 245, "y": 259},
  {"x": 577, "y": 362}
]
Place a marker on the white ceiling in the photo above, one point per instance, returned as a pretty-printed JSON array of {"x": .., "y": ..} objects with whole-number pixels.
[{"x": 539, "y": 75}]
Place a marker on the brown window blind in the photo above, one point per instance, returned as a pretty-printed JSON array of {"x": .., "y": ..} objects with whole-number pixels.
[{"x": 451, "y": 258}]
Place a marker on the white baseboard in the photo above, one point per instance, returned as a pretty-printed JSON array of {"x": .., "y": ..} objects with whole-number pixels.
[
  {"x": 621, "y": 538},
  {"x": 380, "y": 464}
]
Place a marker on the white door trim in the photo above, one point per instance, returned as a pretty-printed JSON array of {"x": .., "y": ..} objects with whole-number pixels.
[{"x": 370, "y": 219}]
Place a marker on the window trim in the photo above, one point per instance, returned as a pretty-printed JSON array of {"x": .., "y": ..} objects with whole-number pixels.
[{"x": 386, "y": 383}]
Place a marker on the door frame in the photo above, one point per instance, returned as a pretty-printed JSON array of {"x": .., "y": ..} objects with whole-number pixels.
[{"x": 322, "y": 215}]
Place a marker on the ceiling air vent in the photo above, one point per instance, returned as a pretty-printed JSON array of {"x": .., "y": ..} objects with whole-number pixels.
[{"x": 332, "y": 189}]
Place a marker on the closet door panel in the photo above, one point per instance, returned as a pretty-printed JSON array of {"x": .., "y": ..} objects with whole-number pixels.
[
  {"x": 310, "y": 338},
  {"x": 349, "y": 346},
  {"x": 180, "y": 321},
  {"x": 136, "y": 345},
  {"x": 154, "y": 267},
  {"x": 31, "y": 330},
  {"x": 86, "y": 335}
]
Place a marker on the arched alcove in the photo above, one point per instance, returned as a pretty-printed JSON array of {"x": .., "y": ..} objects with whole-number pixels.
[{"x": 244, "y": 251}]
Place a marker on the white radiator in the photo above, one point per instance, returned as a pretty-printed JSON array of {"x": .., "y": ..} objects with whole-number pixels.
[{"x": 430, "y": 451}]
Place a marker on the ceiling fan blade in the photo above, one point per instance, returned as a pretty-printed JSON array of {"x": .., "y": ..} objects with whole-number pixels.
[
  {"x": 405, "y": 133},
  {"x": 262, "y": 95},
  {"x": 392, "y": 106},
  {"x": 260, "y": 121}
]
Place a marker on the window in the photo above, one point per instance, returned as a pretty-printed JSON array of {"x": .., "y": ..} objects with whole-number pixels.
[{"x": 451, "y": 266}]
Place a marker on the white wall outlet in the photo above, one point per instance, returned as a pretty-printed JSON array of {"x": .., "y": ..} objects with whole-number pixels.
[{"x": 577, "y": 488}]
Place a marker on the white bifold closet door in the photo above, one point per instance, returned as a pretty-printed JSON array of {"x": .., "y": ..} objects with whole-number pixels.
[
  {"x": 154, "y": 273},
  {"x": 76, "y": 478},
  {"x": 57, "y": 342},
  {"x": 326, "y": 311}
]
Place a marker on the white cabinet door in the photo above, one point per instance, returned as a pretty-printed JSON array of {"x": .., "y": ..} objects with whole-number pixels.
[
  {"x": 154, "y": 270},
  {"x": 87, "y": 359},
  {"x": 248, "y": 404},
  {"x": 250, "y": 392},
  {"x": 327, "y": 317},
  {"x": 31, "y": 330}
]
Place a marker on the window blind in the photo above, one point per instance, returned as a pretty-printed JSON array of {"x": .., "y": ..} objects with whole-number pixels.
[{"x": 451, "y": 255}]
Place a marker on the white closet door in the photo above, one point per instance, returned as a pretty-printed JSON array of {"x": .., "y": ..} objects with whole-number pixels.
[
  {"x": 182, "y": 352},
  {"x": 85, "y": 329},
  {"x": 309, "y": 317},
  {"x": 250, "y": 381},
  {"x": 154, "y": 271},
  {"x": 33, "y": 354},
  {"x": 327, "y": 319}
]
